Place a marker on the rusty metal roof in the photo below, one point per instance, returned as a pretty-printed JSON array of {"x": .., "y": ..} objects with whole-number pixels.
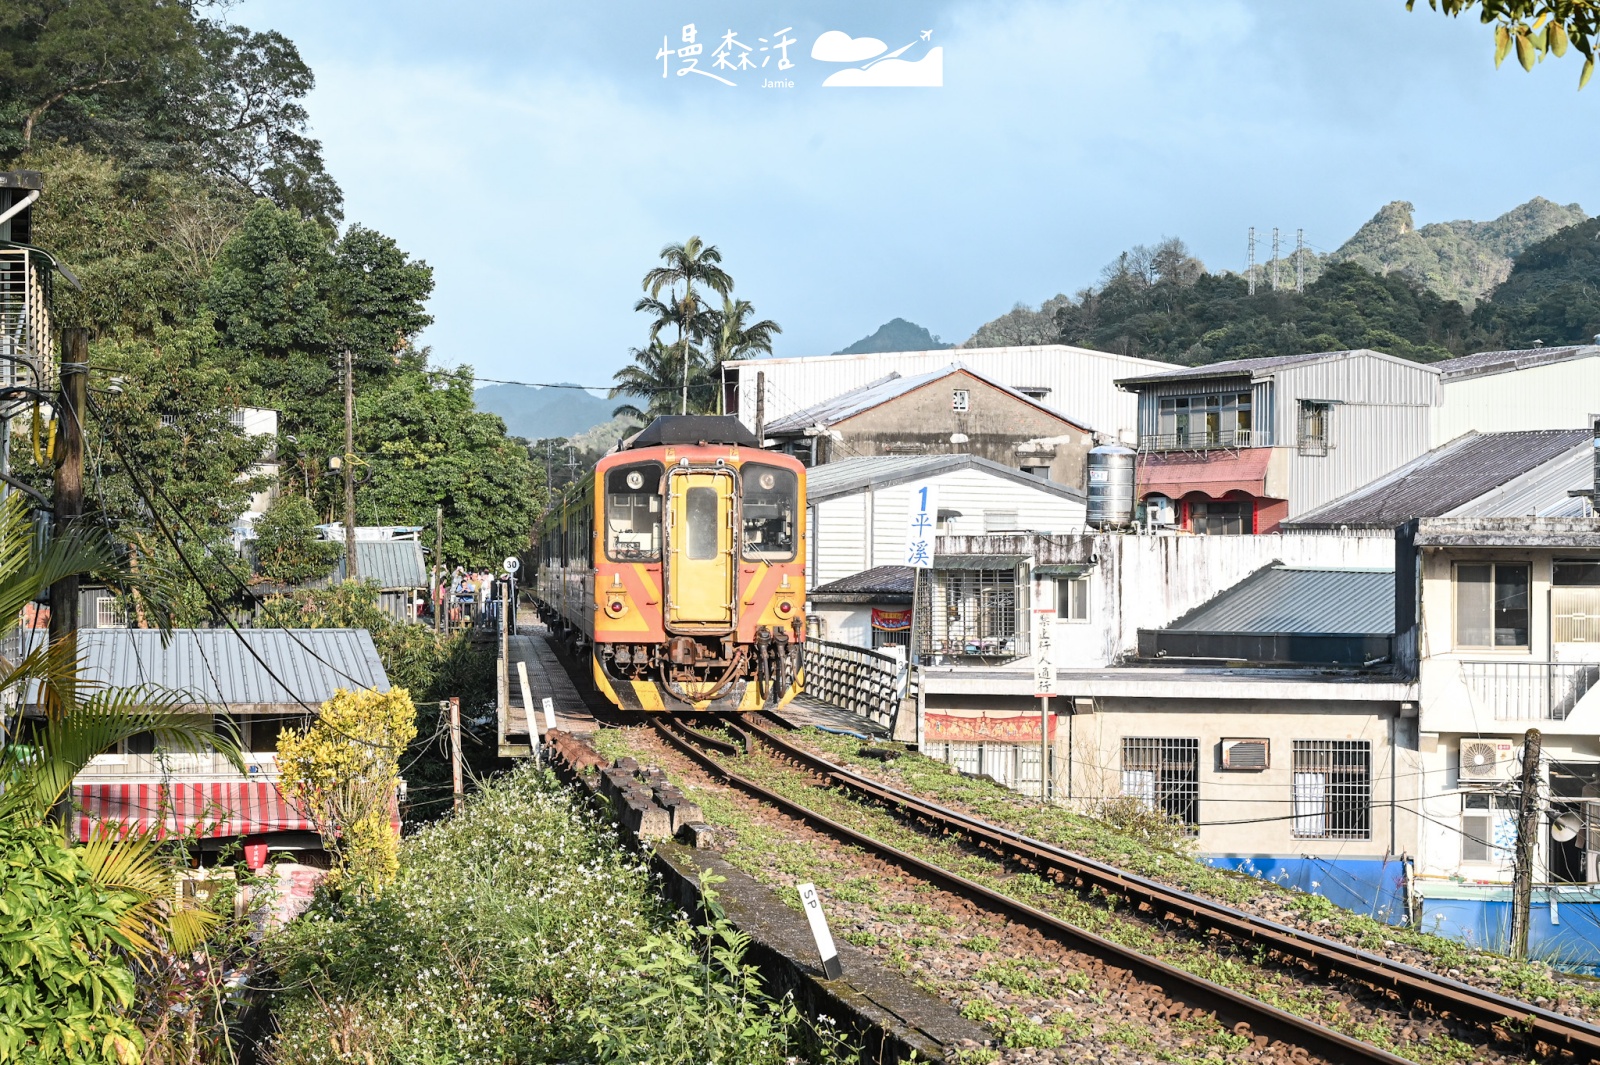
[
  {"x": 878, "y": 583},
  {"x": 1484, "y": 363},
  {"x": 1445, "y": 478}
]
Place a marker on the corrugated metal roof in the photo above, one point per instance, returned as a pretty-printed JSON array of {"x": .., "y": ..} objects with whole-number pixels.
[
  {"x": 212, "y": 666},
  {"x": 1263, "y": 367},
  {"x": 854, "y": 474},
  {"x": 976, "y": 562},
  {"x": 1484, "y": 363},
  {"x": 1300, "y": 600},
  {"x": 395, "y": 564},
  {"x": 880, "y": 580},
  {"x": 1448, "y": 477},
  {"x": 857, "y": 400}
]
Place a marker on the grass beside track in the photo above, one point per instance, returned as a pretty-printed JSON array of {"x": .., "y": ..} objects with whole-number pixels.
[{"x": 767, "y": 854}]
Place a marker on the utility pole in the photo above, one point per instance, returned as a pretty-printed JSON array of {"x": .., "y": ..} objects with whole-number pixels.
[
  {"x": 1299, "y": 260},
  {"x": 1527, "y": 827},
  {"x": 438, "y": 566},
  {"x": 1250, "y": 264},
  {"x": 70, "y": 408},
  {"x": 761, "y": 407},
  {"x": 455, "y": 749},
  {"x": 1274, "y": 258},
  {"x": 349, "y": 464}
]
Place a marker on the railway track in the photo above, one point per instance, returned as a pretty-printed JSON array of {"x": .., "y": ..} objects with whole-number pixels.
[
  {"x": 1504, "y": 1022},
  {"x": 1229, "y": 1006}
]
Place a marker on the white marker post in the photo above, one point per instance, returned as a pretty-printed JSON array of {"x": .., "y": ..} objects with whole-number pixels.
[
  {"x": 819, "y": 931},
  {"x": 549, "y": 713},
  {"x": 527, "y": 707}
]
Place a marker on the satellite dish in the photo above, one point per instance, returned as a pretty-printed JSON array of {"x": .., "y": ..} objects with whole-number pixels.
[{"x": 1566, "y": 827}]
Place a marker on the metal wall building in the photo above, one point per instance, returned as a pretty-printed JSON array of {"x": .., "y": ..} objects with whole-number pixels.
[
  {"x": 1503, "y": 391},
  {"x": 1078, "y": 383}
]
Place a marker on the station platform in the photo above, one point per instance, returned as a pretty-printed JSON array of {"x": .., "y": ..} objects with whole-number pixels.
[{"x": 547, "y": 679}]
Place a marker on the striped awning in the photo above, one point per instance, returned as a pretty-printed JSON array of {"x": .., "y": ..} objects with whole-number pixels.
[{"x": 205, "y": 809}]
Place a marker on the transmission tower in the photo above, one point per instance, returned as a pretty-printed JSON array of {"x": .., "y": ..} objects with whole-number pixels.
[
  {"x": 1250, "y": 267},
  {"x": 1299, "y": 260},
  {"x": 1274, "y": 258}
]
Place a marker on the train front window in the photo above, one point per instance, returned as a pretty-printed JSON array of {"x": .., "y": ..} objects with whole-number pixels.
[
  {"x": 771, "y": 495},
  {"x": 633, "y": 513}
]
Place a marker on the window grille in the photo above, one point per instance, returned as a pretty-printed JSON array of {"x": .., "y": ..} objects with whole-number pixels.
[
  {"x": 1575, "y": 602},
  {"x": 975, "y": 613},
  {"x": 960, "y": 400},
  {"x": 1332, "y": 789},
  {"x": 1165, "y": 774},
  {"x": 1314, "y": 419},
  {"x": 169, "y": 421},
  {"x": 107, "y": 615}
]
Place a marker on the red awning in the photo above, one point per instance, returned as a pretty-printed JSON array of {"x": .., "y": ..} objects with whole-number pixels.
[
  {"x": 207, "y": 809},
  {"x": 1213, "y": 473}
]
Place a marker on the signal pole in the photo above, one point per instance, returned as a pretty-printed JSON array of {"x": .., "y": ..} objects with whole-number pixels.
[
  {"x": 1527, "y": 826},
  {"x": 1250, "y": 264},
  {"x": 349, "y": 464}
]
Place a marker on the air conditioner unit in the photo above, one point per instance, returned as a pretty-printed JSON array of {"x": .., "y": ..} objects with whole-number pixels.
[
  {"x": 1244, "y": 754},
  {"x": 1489, "y": 762}
]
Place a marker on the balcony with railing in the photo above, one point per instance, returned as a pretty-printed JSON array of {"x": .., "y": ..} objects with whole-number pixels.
[
  {"x": 27, "y": 350},
  {"x": 1529, "y": 691},
  {"x": 1203, "y": 440}
]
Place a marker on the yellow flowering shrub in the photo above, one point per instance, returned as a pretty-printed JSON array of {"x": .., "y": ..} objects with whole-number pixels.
[{"x": 342, "y": 772}]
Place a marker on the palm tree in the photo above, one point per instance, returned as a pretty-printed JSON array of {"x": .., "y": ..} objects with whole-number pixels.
[
  {"x": 732, "y": 337},
  {"x": 687, "y": 264},
  {"x": 77, "y": 720},
  {"x": 656, "y": 372}
]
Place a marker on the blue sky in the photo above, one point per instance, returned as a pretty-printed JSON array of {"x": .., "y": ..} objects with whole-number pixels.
[{"x": 534, "y": 155}]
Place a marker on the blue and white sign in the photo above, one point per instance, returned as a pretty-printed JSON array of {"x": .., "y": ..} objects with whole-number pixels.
[{"x": 922, "y": 522}]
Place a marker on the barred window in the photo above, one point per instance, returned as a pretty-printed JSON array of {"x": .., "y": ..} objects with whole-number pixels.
[
  {"x": 1332, "y": 789},
  {"x": 1165, "y": 773}
]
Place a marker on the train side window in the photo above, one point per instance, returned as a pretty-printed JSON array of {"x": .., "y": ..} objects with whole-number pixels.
[
  {"x": 771, "y": 495},
  {"x": 633, "y": 513}
]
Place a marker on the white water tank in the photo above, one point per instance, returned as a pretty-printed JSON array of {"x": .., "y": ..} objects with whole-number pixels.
[{"x": 1111, "y": 472}]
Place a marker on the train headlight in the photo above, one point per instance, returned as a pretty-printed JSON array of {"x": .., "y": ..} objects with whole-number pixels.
[
  {"x": 636, "y": 480},
  {"x": 767, "y": 480}
]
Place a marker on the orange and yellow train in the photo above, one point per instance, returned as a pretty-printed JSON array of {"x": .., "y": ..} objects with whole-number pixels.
[{"x": 678, "y": 568}]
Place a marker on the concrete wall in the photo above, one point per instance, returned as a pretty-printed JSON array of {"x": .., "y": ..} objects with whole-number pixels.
[
  {"x": 1559, "y": 395},
  {"x": 1261, "y": 800},
  {"x": 1149, "y": 581},
  {"x": 996, "y": 425}
]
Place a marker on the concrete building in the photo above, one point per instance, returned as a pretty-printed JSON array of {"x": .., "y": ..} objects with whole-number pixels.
[
  {"x": 1077, "y": 383},
  {"x": 209, "y": 672},
  {"x": 1503, "y": 635},
  {"x": 1267, "y": 712},
  {"x": 1237, "y": 447},
  {"x": 953, "y": 410}
]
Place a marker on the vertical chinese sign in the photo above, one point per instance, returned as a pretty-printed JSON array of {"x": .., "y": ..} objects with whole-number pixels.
[
  {"x": 1044, "y": 674},
  {"x": 922, "y": 521}
]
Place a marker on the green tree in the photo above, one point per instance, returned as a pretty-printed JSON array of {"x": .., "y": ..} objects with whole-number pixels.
[
  {"x": 687, "y": 265},
  {"x": 287, "y": 548},
  {"x": 656, "y": 376},
  {"x": 1534, "y": 28},
  {"x": 734, "y": 336},
  {"x": 75, "y": 915},
  {"x": 427, "y": 446},
  {"x": 1552, "y": 294}
]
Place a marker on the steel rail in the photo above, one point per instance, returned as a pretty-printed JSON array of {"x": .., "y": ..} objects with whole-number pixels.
[
  {"x": 1229, "y": 1006},
  {"x": 1485, "y": 1008}
]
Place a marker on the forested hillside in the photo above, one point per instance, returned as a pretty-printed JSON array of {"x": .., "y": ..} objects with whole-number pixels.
[{"x": 184, "y": 190}]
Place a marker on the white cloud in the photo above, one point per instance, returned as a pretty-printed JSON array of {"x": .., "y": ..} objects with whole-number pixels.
[
  {"x": 924, "y": 73},
  {"x": 836, "y": 46}
]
